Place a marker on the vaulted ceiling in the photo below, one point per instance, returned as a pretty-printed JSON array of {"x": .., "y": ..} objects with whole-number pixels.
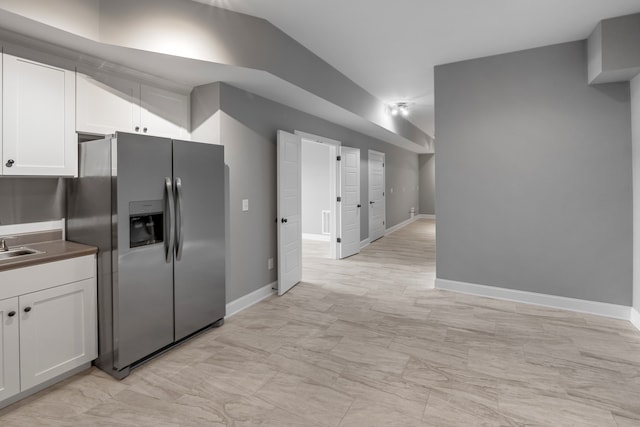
[{"x": 390, "y": 47}]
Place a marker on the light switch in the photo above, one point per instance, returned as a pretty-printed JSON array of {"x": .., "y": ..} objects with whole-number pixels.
[{"x": 245, "y": 205}]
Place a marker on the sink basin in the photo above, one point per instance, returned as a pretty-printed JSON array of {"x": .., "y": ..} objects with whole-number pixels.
[{"x": 17, "y": 252}]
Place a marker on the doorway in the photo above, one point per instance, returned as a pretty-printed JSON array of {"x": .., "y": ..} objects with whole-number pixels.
[
  {"x": 377, "y": 198},
  {"x": 318, "y": 186},
  {"x": 332, "y": 228}
]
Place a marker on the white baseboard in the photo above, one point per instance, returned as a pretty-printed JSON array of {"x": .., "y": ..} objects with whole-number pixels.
[
  {"x": 426, "y": 216},
  {"x": 364, "y": 243},
  {"x": 318, "y": 237},
  {"x": 236, "y": 306},
  {"x": 399, "y": 226},
  {"x": 635, "y": 318},
  {"x": 553, "y": 301}
]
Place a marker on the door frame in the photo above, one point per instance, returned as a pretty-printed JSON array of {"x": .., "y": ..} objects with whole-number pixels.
[
  {"x": 384, "y": 185},
  {"x": 334, "y": 183}
]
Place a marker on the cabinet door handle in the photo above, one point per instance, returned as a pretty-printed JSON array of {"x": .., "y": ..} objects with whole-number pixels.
[
  {"x": 144, "y": 130},
  {"x": 137, "y": 128},
  {"x": 11, "y": 313},
  {"x": 27, "y": 309},
  {"x": 10, "y": 163}
]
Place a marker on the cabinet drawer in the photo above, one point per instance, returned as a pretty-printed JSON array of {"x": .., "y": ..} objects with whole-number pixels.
[{"x": 22, "y": 281}]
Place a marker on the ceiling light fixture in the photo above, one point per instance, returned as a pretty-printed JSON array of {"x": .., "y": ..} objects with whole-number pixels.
[{"x": 398, "y": 108}]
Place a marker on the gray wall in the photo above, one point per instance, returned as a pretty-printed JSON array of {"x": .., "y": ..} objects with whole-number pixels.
[
  {"x": 265, "y": 117},
  {"x": 613, "y": 50},
  {"x": 427, "y": 164},
  {"x": 635, "y": 132},
  {"x": 316, "y": 183},
  {"x": 248, "y": 126},
  {"x": 533, "y": 184},
  {"x": 24, "y": 200}
]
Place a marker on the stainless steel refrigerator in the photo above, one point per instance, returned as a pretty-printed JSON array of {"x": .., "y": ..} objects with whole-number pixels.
[{"x": 155, "y": 208}]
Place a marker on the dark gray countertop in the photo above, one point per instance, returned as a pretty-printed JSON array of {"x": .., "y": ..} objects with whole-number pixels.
[{"x": 55, "y": 250}]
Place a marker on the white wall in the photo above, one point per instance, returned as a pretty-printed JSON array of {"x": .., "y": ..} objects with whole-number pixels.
[{"x": 315, "y": 185}]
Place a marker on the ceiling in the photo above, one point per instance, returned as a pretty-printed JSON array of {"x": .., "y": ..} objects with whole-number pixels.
[{"x": 390, "y": 47}]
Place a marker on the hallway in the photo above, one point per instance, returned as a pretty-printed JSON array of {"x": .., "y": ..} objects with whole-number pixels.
[{"x": 366, "y": 341}]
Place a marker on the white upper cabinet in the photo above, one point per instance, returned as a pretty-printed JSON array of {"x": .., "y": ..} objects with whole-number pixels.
[
  {"x": 38, "y": 119},
  {"x": 164, "y": 113},
  {"x": 107, "y": 104}
]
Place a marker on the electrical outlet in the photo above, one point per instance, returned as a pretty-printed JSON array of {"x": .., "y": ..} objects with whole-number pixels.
[{"x": 270, "y": 263}]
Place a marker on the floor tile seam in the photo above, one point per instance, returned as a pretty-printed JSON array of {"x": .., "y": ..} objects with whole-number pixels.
[{"x": 306, "y": 380}]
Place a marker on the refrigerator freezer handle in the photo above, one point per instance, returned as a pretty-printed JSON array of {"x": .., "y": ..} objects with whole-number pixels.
[
  {"x": 179, "y": 233},
  {"x": 169, "y": 221}
]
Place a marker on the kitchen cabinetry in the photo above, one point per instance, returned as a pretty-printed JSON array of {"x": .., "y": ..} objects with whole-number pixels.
[
  {"x": 49, "y": 327},
  {"x": 38, "y": 119},
  {"x": 106, "y": 104},
  {"x": 9, "y": 349}
]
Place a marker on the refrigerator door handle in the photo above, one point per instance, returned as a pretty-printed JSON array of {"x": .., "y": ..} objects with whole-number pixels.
[
  {"x": 169, "y": 220},
  {"x": 179, "y": 232}
]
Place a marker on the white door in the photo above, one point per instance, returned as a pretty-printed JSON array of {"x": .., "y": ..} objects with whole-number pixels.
[
  {"x": 38, "y": 117},
  {"x": 57, "y": 331},
  {"x": 376, "y": 195},
  {"x": 9, "y": 349},
  {"x": 350, "y": 206},
  {"x": 289, "y": 207}
]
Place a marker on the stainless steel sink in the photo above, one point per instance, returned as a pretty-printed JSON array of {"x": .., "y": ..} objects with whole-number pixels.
[{"x": 18, "y": 252}]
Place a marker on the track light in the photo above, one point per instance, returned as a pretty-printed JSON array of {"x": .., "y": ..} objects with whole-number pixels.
[{"x": 398, "y": 108}]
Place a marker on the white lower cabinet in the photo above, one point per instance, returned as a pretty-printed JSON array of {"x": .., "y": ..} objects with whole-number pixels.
[
  {"x": 9, "y": 349},
  {"x": 57, "y": 331},
  {"x": 47, "y": 332}
]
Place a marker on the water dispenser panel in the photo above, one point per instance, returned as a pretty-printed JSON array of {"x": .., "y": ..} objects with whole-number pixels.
[{"x": 146, "y": 223}]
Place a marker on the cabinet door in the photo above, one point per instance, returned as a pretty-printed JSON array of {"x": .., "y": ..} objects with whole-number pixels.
[
  {"x": 9, "y": 349},
  {"x": 57, "y": 331},
  {"x": 38, "y": 118},
  {"x": 164, "y": 113},
  {"x": 107, "y": 104}
]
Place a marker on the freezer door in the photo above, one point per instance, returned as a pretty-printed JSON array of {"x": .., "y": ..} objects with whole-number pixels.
[
  {"x": 199, "y": 268},
  {"x": 143, "y": 282}
]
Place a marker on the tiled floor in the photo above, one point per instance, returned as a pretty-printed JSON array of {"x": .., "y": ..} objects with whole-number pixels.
[{"x": 367, "y": 342}]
